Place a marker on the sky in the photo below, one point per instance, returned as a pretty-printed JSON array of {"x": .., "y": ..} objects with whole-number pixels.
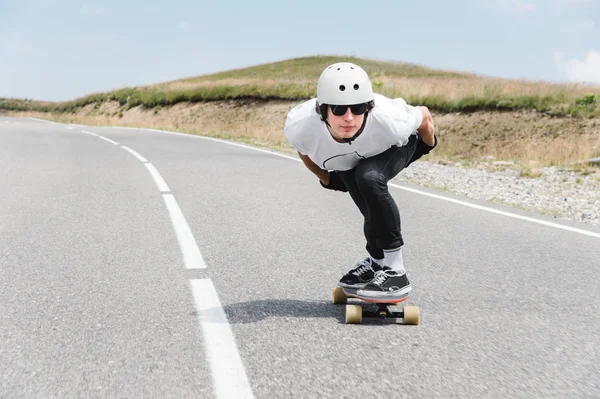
[{"x": 56, "y": 50}]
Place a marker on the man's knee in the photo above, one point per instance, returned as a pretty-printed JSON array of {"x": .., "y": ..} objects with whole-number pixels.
[{"x": 370, "y": 181}]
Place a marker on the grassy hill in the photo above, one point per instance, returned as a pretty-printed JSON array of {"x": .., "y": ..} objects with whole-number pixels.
[
  {"x": 531, "y": 123},
  {"x": 295, "y": 79}
]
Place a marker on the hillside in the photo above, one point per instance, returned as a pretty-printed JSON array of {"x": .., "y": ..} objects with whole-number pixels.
[{"x": 476, "y": 115}]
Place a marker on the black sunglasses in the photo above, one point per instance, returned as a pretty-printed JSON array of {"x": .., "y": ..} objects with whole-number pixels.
[{"x": 356, "y": 109}]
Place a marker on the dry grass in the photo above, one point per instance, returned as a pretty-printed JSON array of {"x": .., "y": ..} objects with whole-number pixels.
[
  {"x": 527, "y": 138},
  {"x": 453, "y": 89},
  {"x": 524, "y": 121},
  {"x": 523, "y": 137},
  {"x": 449, "y": 89},
  {"x": 185, "y": 85},
  {"x": 295, "y": 80}
]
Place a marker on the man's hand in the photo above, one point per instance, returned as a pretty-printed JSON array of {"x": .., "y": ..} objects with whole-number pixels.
[
  {"x": 329, "y": 180},
  {"x": 334, "y": 182},
  {"x": 427, "y": 129},
  {"x": 422, "y": 149}
]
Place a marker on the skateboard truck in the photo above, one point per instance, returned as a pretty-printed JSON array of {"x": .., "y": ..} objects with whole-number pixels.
[{"x": 355, "y": 313}]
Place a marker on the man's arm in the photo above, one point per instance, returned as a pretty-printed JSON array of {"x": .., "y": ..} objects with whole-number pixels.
[
  {"x": 426, "y": 130},
  {"x": 323, "y": 175}
]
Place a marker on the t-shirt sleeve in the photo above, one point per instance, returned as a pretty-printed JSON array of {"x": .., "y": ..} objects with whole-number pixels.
[
  {"x": 397, "y": 117},
  {"x": 300, "y": 124},
  {"x": 293, "y": 128},
  {"x": 415, "y": 116}
]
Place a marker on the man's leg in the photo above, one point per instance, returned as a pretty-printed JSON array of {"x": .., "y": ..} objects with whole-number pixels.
[
  {"x": 363, "y": 271},
  {"x": 349, "y": 180},
  {"x": 372, "y": 176}
]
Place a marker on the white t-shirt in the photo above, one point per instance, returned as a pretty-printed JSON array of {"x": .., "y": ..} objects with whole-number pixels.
[{"x": 391, "y": 122}]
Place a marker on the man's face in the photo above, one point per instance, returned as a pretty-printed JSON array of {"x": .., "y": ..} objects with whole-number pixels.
[{"x": 345, "y": 126}]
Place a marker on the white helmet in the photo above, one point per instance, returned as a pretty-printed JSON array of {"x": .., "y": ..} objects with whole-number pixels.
[{"x": 344, "y": 83}]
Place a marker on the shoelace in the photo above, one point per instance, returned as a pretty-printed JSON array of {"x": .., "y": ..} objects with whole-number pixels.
[
  {"x": 363, "y": 267},
  {"x": 380, "y": 278}
]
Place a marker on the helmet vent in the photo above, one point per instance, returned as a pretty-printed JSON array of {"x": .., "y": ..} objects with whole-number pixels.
[
  {"x": 356, "y": 87},
  {"x": 342, "y": 87}
]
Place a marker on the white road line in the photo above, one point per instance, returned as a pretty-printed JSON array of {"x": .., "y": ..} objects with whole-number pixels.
[
  {"x": 503, "y": 213},
  {"x": 44, "y": 120},
  {"x": 463, "y": 203},
  {"x": 86, "y": 132},
  {"x": 440, "y": 197},
  {"x": 135, "y": 154},
  {"x": 160, "y": 182},
  {"x": 192, "y": 258},
  {"x": 228, "y": 374},
  {"x": 109, "y": 140},
  {"x": 207, "y": 138}
]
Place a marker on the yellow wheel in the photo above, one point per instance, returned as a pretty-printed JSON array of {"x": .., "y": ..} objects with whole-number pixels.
[
  {"x": 353, "y": 314},
  {"x": 339, "y": 296},
  {"x": 411, "y": 315}
]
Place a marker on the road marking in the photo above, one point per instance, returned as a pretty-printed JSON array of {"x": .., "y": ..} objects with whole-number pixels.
[
  {"x": 503, "y": 213},
  {"x": 47, "y": 121},
  {"x": 160, "y": 182},
  {"x": 192, "y": 258},
  {"x": 208, "y": 138},
  {"x": 440, "y": 197},
  {"x": 135, "y": 154},
  {"x": 109, "y": 140},
  {"x": 189, "y": 248},
  {"x": 228, "y": 374}
]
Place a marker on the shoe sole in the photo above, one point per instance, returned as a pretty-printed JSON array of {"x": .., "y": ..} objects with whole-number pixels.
[
  {"x": 384, "y": 297},
  {"x": 352, "y": 287}
]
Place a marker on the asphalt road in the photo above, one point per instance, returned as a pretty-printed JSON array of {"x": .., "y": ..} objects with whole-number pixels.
[{"x": 186, "y": 267}]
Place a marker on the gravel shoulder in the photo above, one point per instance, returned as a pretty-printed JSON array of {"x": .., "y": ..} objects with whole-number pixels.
[{"x": 557, "y": 192}]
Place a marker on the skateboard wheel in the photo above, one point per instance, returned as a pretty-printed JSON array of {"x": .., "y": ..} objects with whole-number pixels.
[
  {"x": 353, "y": 314},
  {"x": 339, "y": 296},
  {"x": 411, "y": 315}
]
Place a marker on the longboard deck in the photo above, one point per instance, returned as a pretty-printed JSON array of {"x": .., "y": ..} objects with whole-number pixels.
[{"x": 352, "y": 293}]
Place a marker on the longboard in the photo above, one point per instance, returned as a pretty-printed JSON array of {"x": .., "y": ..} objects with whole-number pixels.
[{"x": 355, "y": 312}]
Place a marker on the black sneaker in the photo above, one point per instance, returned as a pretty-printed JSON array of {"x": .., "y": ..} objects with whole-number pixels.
[
  {"x": 386, "y": 285},
  {"x": 363, "y": 272}
]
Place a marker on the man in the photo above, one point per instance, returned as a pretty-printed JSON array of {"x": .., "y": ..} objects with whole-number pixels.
[{"x": 355, "y": 141}]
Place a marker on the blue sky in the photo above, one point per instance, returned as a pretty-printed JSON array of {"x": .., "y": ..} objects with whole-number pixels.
[{"x": 61, "y": 49}]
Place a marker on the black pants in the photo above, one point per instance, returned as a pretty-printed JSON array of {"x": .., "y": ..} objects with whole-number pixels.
[{"x": 367, "y": 185}]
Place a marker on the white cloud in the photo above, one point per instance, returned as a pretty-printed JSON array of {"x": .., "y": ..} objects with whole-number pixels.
[
  {"x": 96, "y": 11},
  {"x": 575, "y": 70}
]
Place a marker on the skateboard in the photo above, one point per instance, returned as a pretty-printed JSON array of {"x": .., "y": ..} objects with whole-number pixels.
[{"x": 355, "y": 312}]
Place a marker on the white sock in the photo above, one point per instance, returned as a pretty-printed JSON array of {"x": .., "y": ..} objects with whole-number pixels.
[
  {"x": 380, "y": 262},
  {"x": 393, "y": 259}
]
